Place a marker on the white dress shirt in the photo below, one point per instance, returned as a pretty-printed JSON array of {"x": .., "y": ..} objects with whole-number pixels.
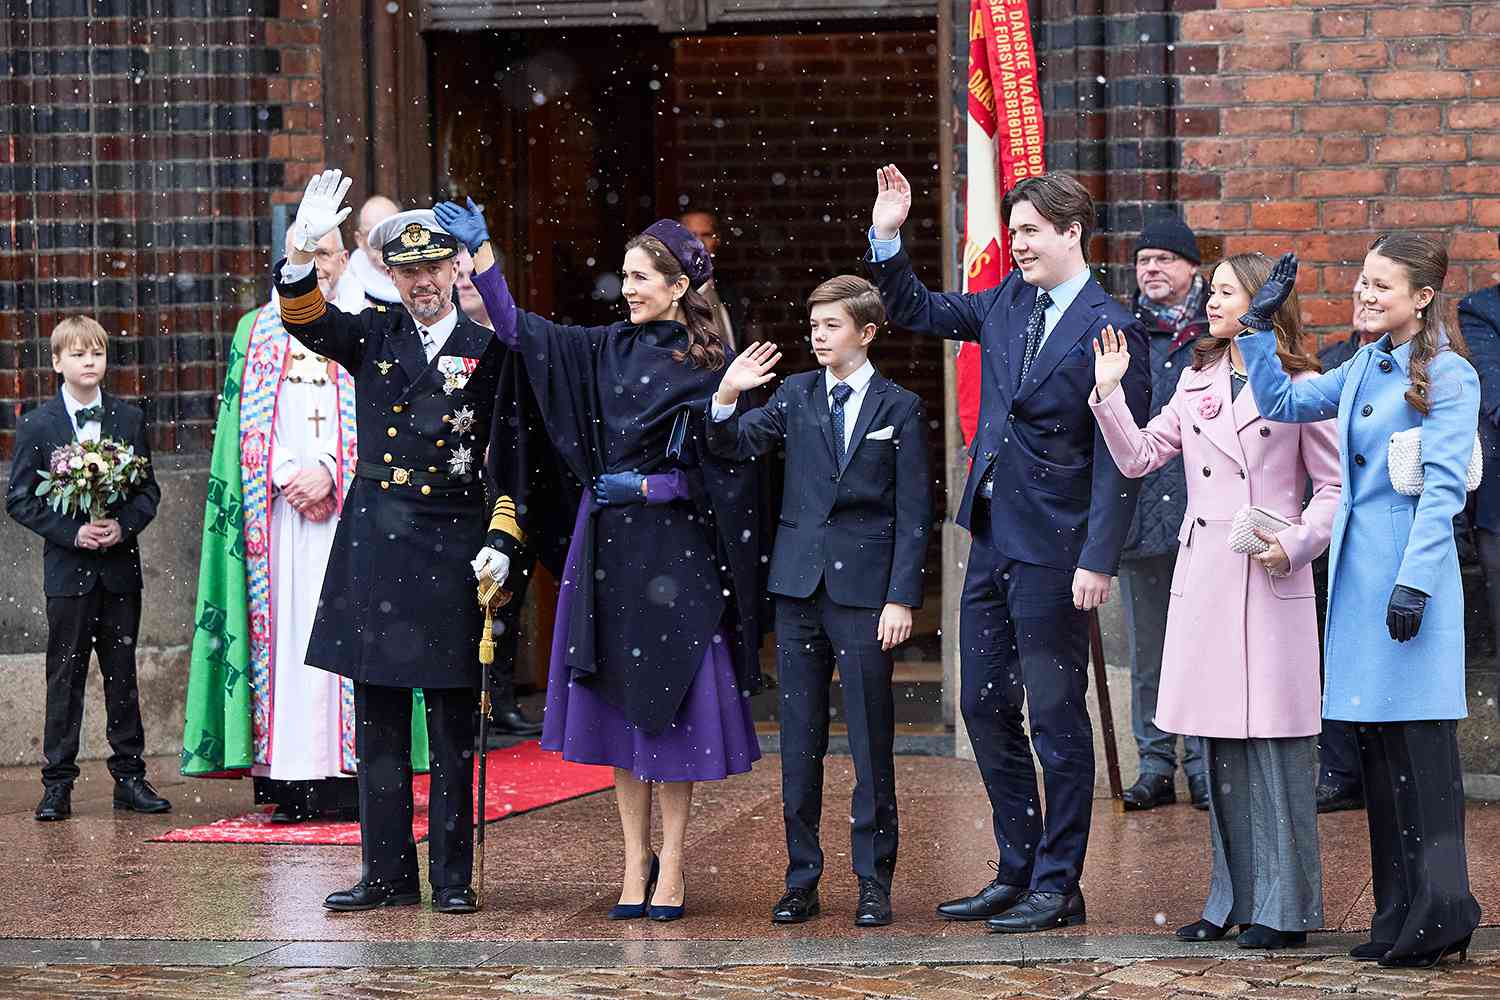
[
  {"x": 859, "y": 382},
  {"x": 91, "y": 430}
]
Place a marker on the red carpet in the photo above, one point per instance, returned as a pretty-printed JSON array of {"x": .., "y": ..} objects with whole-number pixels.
[{"x": 521, "y": 778}]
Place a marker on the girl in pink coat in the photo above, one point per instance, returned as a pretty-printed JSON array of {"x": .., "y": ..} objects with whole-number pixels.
[{"x": 1240, "y": 663}]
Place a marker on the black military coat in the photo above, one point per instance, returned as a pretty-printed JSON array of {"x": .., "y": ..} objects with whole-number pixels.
[{"x": 398, "y": 606}]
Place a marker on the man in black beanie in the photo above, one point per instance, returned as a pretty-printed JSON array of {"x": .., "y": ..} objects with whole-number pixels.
[{"x": 1171, "y": 306}]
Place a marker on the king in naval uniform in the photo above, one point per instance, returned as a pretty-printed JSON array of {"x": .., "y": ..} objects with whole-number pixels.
[{"x": 398, "y": 608}]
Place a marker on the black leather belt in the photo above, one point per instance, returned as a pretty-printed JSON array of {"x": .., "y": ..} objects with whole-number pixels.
[{"x": 426, "y": 482}]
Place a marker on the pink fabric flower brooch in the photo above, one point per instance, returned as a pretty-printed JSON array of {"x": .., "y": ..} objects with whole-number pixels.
[{"x": 1209, "y": 406}]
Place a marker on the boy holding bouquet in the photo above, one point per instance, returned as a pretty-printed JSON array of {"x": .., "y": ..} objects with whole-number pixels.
[{"x": 82, "y": 480}]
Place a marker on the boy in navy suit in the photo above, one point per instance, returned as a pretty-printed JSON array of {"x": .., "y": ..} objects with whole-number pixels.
[
  {"x": 846, "y": 571},
  {"x": 91, "y": 574}
]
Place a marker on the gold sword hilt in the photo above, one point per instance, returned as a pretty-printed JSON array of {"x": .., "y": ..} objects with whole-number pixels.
[{"x": 492, "y": 597}]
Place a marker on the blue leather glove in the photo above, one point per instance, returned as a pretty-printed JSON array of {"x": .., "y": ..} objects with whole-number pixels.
[
  {"x": 1270, "y": 296},
  {"x": 1403, "y": 616},
  {"x": 616, "y": 489},
  {"x": 464, "y": 224}
]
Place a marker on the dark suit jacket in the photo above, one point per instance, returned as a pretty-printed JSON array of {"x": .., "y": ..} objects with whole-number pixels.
[
  {"x": 1479, "y": 318},
  {"x": 67, "y": 570},
  {"x": 859, "y": 527},
  {"x": 1060, "y": 500}
]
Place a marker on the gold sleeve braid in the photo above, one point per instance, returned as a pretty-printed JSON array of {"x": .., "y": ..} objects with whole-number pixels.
[
  {"x": 504, "y": 519},
  {"x": 300, "y": 310}
]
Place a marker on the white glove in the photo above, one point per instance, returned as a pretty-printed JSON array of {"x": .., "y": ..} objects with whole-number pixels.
[
  {"x": 491, "y": 563},
  {"x": 319, "y": 213}
]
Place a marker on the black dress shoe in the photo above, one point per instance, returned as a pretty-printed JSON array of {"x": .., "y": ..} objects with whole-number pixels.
[
  {"x": 993, "y": 900},
  {"x": 455, "y": 899},
  {"x": 1040, "y": 911},
  {"x": 1428, "y": 959},
  {"x": 1150, "y": 791},
  {"x": 1335, "y": 799},
  {"x": 1198, "y": 791},
  {"x": 874, "y": 904},
  {"x": 56, "y": 804},
  {"x": 1263, "y": 938},
  {"x": 512, "y": 722},
  {"x": 137, "y": 795},
  {"x": 372, "y": 895},
  {"x": 285, "y": 815},
  {"x": 1370, "y": 951},
  {"x": 1202, "y": 930},
  {"x": 796, "y": 906}
]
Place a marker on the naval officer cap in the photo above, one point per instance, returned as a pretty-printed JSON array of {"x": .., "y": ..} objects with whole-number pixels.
[{"x": 413, "y": 237}]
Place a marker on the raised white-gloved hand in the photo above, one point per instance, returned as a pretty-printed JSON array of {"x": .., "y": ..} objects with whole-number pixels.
[
  {"x": 492, "y": 563},
  {"x": 319, "y": 213}
]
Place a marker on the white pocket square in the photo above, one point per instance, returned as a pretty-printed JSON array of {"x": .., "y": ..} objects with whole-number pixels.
[{"x": 884, "y": 434}]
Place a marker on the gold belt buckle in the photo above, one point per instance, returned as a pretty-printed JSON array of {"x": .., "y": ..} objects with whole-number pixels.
[{"x": 401, "y": 477}]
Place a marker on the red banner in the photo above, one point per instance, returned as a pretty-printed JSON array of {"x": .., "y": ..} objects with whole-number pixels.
[{"x": 1004, "y": 141}]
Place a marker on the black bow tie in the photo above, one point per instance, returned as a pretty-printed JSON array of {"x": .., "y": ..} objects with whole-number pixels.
[{"x": 88, "y": 413}]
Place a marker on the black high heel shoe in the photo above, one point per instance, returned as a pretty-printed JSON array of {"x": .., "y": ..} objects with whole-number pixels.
[
  {"x": 635, "y": 911},
  {"x": 1428, "y": 959}
]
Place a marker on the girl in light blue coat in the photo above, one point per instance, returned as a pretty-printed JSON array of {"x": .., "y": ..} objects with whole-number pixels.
[{"x": 1395, "y": 633}]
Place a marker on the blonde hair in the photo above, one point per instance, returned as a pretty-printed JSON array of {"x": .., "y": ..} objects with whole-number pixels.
[{"x": 78, "y": 331}]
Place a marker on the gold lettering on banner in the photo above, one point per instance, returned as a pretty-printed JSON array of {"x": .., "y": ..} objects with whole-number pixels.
[
  {"x": 976, "y": 25},
  {"x": 981, "y": 89},
  {"x": 978, "y": 262},
  {"x": 1013, "y": 59}
]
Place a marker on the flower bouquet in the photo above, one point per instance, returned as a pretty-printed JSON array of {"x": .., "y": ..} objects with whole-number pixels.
[{"x": 88, "y": 478}]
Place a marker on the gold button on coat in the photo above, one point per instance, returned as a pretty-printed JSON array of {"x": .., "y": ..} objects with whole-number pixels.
[
  {"x": 441, "y": 442},
  {"x": 396, "y": 408},
  {"x": 386, "y": 457},
  {"x": 390, "y": 432},
  {"x": 426, "y": 489}
]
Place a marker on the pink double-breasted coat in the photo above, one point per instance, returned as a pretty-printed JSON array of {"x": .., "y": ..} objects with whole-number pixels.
[{"x": 1241, "y": 652}]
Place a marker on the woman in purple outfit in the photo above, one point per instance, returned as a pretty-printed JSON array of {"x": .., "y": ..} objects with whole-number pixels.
[{"x": 656, "y": 649}]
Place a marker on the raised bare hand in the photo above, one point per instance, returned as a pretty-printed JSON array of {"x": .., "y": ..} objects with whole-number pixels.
[
  {"x": 892, "y": 202},
  {"x": 1111, "y": 361},
  {"x": 750, "y": 370}
]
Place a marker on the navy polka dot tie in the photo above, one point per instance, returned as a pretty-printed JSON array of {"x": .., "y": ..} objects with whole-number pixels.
[{"x": 841, "y": 394}]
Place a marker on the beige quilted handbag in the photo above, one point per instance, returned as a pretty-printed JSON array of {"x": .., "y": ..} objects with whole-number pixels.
[
  {"x": 1404, "y": 460},
  {"x": 1242, "y": 537}
]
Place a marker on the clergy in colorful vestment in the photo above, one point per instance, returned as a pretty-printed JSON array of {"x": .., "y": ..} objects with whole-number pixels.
[{"x": 284, "y": 454}]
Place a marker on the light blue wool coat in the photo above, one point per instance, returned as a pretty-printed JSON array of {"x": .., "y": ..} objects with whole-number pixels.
[{"x": 1381, "y": 538}]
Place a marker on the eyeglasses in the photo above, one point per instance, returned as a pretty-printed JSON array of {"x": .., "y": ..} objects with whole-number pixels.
[{"x": 1157, "y": 260}]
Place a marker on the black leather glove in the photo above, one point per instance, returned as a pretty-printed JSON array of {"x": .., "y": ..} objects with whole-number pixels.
[
  {"x": 1403, "y": 616},
  {"x": 1270, "y": 296}
]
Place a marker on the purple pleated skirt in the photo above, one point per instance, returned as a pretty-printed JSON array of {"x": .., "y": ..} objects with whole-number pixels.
[{"x": 711, "y": 737}]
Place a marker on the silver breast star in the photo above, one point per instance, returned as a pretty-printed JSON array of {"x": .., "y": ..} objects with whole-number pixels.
[
  {"x": 460, "y": 461},
  {"x": 463, "y": 420}
]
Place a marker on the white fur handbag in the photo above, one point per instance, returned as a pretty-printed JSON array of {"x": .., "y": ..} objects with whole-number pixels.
[
  {"x": 1404, "y": 460},
  {"x": 1242, "y": 536}
]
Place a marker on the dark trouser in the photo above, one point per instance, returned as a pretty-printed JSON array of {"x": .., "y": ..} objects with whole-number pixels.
[
  {"x": 309, "y": 798},
  {"x": 812, "y": 635},
  {"x": 1145, "y": 592},
  {"x": 1414, "y": 798},
  {"x": 1488, "y": 543},
  {"x": 383, "y": 744},
  {"x": 1021, "y": 638},
  {"x": 107, "y": 624},
  {"x": 1338, "y": 750}
]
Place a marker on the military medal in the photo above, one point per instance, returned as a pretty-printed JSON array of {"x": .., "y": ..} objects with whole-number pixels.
[
  {"x": 463, "y": 420},
  {"x": 460, "y": 461},
  {"x": 455, "y": 371}
]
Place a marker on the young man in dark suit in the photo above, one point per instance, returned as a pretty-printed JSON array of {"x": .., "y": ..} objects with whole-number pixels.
[
  {"x": 1049, "y": 513},
  {"x": 847, "y": 571},
  {"x": 91, "y": 574}
]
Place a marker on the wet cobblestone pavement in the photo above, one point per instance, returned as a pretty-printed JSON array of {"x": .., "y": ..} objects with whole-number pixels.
[{"x": 1156, "y": 979}]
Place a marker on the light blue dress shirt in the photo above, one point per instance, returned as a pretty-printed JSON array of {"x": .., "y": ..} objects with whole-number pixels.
[{"x": 1062, "y": 295}]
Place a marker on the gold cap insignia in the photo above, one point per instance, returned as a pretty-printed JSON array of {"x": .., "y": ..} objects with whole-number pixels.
[{"x": 415, "y": 235}]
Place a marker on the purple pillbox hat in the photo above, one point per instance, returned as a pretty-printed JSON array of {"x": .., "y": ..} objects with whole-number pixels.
[{"x": 687, "y": 248}]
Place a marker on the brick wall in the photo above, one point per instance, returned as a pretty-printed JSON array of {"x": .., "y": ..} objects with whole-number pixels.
[
  {"x": 140, "y": 144},
  {"x": 1339, "y": 120},
  {"x": 782, "y": 135}
]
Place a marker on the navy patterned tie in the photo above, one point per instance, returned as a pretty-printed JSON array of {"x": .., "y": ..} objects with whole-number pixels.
[
  {"x": 841, "y": 393},
  {"x": 1034, "y": 327}
]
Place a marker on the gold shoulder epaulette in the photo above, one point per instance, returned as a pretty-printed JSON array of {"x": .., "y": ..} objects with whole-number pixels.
[
  {"x": 504, "y": 519},
  {"x": 300, "y": 310}
]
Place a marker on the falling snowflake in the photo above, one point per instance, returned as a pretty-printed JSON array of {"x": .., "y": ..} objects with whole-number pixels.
[{"x": 461, "y": 461}]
